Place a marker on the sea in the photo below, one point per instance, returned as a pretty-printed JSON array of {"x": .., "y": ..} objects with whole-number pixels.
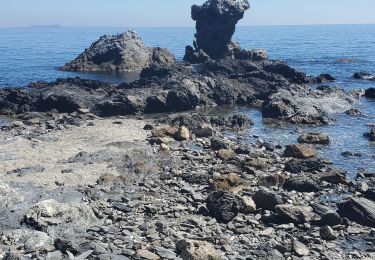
[{"x": 35, "y": 53}]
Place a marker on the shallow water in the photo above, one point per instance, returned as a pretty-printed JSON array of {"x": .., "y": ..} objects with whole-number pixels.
[{"x": 31, "y": 54}]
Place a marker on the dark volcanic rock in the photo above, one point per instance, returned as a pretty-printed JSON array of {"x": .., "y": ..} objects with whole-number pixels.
[
  {"x": 298, "y": 165},
  {"x": 363, "y": 76},
  {"x": 314, "y": 138},
  {"x": 224, "y": 206},
  {"x": 301, "y": 184},
  {"x": 215, "y": 24},
  {"x": 124, "y": 52},
  {"x": 359, "y": 210},
  {"x": 370, "y": 93},
  {"x": 325, "y": 78},
  {"x": 267, "y": 199}
]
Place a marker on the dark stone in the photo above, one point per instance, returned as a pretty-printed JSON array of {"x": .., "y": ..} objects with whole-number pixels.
[
  {"x": 359, "y": 210},
  {"x": 267, "y": 199},
  {"x": 239, "y": 121},
  {"x": 325, "y": 78},
  {"x": 363, "y": 76},
  {"x": 224, "y": 206},
  {"x": 297, "y": 166},
  {"x": 301, "y": 184},
  {"x": 215, "y": 25},
  {"x": 314, "y": 138},
  {"x": 330, "y": 218},
  {"x": 218, "y": 143}
]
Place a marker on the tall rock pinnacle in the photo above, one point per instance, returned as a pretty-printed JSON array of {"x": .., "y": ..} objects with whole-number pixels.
[{"x": 215, "y": 23}]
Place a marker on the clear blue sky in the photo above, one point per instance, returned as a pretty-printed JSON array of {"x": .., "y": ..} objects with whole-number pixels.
[{"x": 145, "y": 13}]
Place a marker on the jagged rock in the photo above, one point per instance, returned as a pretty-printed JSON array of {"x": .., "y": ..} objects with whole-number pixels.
[
  {"x": 327, "y": 233},
  {"x": 359, "y": 210},
  {"x": 299, "y": 151},
  {"x": 218, "y": 144},
  {"x": 314, "y": 138},
  {"x": 256, "y": 55},
  {"x": 239, "y": 122},
  {"x": 293, "y": 214},
  {"x": 197, "y": 250},
  {"x": 215, "y": 24},
  {"x": 307, "y": 107},
  {"x": 224, "y": 206},
  {"x": 124, "y": 52},
  {"x": 267, "y": 199},
  {"x": 370, "y": 93},
  {"x": 363, "y": 76},
  {"x": 51, "y": 213},
  {"x": 334, "y": 176},
  {"x": 31, "y": 240},
  {"x": 249, "y": 205}
]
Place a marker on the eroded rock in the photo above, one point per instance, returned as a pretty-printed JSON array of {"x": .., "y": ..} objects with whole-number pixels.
[{"x": 124, "y": 52}]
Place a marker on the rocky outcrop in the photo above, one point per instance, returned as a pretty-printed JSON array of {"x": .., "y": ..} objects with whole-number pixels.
[
  {"x": 124, "y": 52},
  {"x": 309, "y": 106},
  {"x": 215, "y": 23}
]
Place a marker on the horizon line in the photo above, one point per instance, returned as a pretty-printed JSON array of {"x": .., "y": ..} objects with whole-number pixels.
[{"x": 119, "y": 26}]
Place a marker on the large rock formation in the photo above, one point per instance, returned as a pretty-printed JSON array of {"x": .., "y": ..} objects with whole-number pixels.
[
  {"x": 124, "y": 52},
  {"x": 215, "y": 24}
]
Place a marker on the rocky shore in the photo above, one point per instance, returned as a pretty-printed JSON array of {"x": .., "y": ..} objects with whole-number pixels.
[{"x": 141, "y": 170}]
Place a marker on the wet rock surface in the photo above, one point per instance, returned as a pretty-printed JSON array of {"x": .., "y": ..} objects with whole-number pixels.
[{"x": 124, "y": 52}]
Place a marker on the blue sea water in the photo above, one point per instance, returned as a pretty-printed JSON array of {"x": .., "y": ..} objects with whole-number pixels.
[{"x": 36, "y": 53}]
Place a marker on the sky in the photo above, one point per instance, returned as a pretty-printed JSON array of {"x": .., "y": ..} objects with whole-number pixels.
[{"x": 176, "y": 13}]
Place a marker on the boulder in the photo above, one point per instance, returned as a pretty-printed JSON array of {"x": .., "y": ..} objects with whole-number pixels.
[
  {"x": 363, "y": 76},
  {"x": 330, "y": 218},
  {"x": 324, "y": 78},
  {"x": 299, "y": 248},
  {"x": 299, "y": 151},
  {"x": 215, "y": 25},
  {"x": 307, "y": 107},
  {"x": 182, "y": 134},
  {"x": 314, "y": 138},
  {"x": 274, "y": 180},
  {"x": 256, "y": 55},
  {"x": 231, "y": 183},
  {"x": 267, "y": 199},
  {"x": 203, "y": 130},
  {"x": 327, "y": 233},
  {"x": 370, "y": 93},
  {"x": 293, "y": 214},
  {"x": 123, "y": 52},
  {"x": 197, "y": 250},
  {"x": 301, "y": 184},
  {"x": 359, "y": 210},
  {"x": 50, "y": 213},
  {"x": 224, "y": 206},
  {"x": 297, "y": 165}
]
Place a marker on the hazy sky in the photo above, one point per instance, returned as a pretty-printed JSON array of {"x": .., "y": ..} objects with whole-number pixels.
[{"x": 145, "y": 13}]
